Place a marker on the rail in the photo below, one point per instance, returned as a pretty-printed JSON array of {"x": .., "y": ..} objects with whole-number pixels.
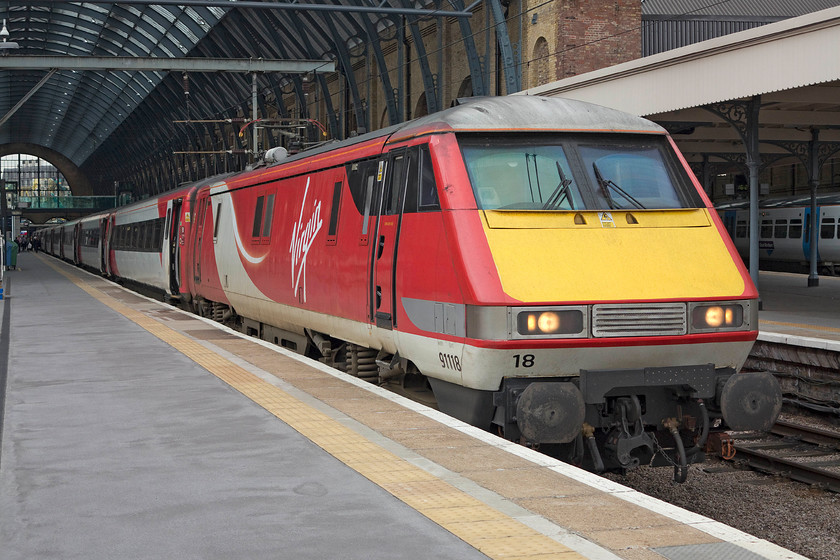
[{"x": 802, "y": 453}]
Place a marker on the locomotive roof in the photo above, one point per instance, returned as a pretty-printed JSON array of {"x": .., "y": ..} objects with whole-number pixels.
[
  {"x": 519, "y": 113},
  {"x": 530, "y": 113}
]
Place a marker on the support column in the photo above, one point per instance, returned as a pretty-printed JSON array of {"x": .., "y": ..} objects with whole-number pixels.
[
  {"x": 813, "y": 154},
  {"x": 254, "y": 116},
  {"x": 743, "y": 116},
  {"x": 813, "y": 275},
  {"x": 753, "y": 165}
]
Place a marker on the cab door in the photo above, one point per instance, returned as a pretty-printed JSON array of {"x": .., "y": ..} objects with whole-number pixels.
[
  {"x": 392, "y": 176},
  {"x": 198, "y": 235},
  {"x": 109, "y": 244},
  {"x": 103, "y": 245}
]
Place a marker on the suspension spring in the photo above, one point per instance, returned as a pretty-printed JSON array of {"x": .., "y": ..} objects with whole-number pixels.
[
  {"x": 219, "y": 311},
  {"x": 361, "y": 362}
]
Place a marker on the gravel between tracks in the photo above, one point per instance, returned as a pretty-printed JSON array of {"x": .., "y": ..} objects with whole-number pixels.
[{"x": 793, "y": 515}]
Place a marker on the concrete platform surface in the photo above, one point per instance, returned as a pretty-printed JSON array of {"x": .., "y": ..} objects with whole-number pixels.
[{"x": 793, "y": 313}]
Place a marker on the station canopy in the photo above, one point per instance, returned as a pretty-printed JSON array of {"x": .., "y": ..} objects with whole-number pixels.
[{"x": 779, "y": 83}]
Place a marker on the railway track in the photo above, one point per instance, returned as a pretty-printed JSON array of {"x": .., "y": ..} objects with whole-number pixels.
[{"x": 802, "y": 453}]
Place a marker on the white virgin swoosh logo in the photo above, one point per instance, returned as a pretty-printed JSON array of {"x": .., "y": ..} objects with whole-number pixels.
[
  {"x": 303, "y": 237},
  {"x": 242, "y": 251}
]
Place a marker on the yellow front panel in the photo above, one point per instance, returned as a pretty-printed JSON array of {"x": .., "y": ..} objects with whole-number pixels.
[{"x": 665, "y": 255}]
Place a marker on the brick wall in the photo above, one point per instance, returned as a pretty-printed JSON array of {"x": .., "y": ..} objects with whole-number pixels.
[
  {"x": 593, "y": 34},
  {"x": 582, "y": 35}
]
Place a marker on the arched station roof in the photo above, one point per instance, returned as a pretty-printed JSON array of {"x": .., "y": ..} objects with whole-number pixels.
[{"x": 118, "y": 122}]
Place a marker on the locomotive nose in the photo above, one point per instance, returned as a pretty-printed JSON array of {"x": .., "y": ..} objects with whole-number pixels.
[
  {"x": 550, "y": 412},
  {"x": 751, "y": 401}
]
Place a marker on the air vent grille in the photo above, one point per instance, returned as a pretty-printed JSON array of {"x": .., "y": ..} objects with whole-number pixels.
[{"x": 652, "y": 319}]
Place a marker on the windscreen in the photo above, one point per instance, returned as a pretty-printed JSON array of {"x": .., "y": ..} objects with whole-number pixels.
[{"x": 580, "y": 172}]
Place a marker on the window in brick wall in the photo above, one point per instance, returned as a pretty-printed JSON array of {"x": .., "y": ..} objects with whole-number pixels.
[{"x": 540, "y": 63}]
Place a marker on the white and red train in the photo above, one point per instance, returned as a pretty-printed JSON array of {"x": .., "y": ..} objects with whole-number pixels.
[{"x": 550, "y": 269}]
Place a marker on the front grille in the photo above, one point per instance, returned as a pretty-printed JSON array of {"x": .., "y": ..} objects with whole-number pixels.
[{"x": 638, "y": 319}]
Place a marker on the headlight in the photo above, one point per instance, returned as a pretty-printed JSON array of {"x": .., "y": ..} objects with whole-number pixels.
[
  {"x": 717, "y": 316},
  {"x": 550, "y": 322}
]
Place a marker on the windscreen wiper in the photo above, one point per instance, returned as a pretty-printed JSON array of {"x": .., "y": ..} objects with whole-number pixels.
[
  {"x": 536, "y": 176},
  {"x": 561, "y": 192},
  {"x": 608, "y": 186}
]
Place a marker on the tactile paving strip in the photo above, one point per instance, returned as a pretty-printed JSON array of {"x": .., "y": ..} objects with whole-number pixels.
[{"x": 486, "y": 529}]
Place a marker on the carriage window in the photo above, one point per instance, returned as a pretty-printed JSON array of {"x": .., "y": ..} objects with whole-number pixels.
[
  {"x": 411, "y": 181},
  {"x": 369, "y": 182},
  {"x": 780, "y": 230},
  {"x": 766, "y": 231},
  {"x": 827, "y": 228},
  {"x": 334, "y": 211},
  {"x": 795, "y": 231},
  {"x": 158, "y": 229},
  {"x": 391, "y": 194},
  {"x": 269, "y": 214},
  {"x": 428, "y": 187},
  {"x": 216, "y": 224},
  {"x": 741, "y": 228},
  {"x": 361, "y": 182},
  {"x": 258, "y": 215}
]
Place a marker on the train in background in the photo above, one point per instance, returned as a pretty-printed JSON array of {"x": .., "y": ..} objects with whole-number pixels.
[
  {"x": 784, "y": 236},
  {"x": 543, "y": 268}
]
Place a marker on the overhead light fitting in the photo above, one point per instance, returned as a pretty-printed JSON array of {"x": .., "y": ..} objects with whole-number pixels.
[{"x": 4, "y": 34}]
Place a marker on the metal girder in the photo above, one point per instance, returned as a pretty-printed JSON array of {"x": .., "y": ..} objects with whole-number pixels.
[
  {"x": 129, "y": 63},
  {"x": 743, "y": 115},
  {"x": 509, "y": 66},
  {"x": 275, "y": 87},
  {"x": 390, "y": 95},
  {"x": 343, "y": 56},
  {"x": 279, "y": 44},
  {"x": 804, "y": 151},
  {"x": 425, "y": 70},
  {"x": 123, "y": 118},
  {"x": 26, "y": 97},
  {"x": 294, "y": 6},
  {"x": 322, "y": 83},
  {"x": 479, "y": 85}
]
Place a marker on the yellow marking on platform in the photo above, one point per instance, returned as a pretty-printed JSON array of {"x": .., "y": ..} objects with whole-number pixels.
[
  {"x": 482, "y": 527},
  {"x": 798, "y": 326}
]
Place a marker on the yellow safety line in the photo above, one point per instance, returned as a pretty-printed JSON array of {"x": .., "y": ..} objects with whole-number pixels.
[
  {"x": 798, "y": 326},
  {"x": 481, "y": 526}
]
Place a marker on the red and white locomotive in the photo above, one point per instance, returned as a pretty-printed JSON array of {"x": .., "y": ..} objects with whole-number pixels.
[{"x": 551, "y": 268}]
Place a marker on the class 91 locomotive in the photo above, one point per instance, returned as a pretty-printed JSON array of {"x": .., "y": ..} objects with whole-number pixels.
[{"x": 543, "y": 268}]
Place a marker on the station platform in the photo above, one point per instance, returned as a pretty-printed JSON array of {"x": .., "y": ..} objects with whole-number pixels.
[
  {"x": 793, "y": 313},
  {"x": 131, "y": 429}
]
